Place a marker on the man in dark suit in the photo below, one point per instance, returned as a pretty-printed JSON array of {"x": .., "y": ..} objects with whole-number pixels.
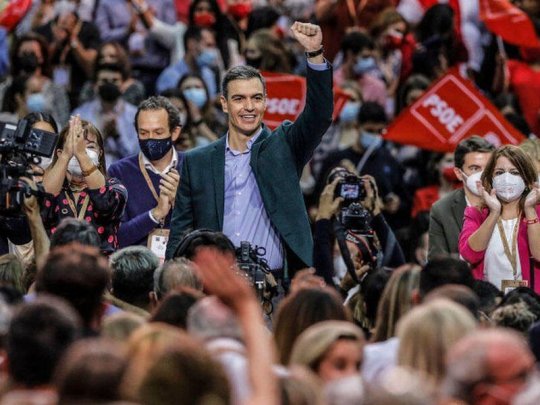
[
  {"x": 246, "y": 184},
  {"x": 446, "y": 215}
]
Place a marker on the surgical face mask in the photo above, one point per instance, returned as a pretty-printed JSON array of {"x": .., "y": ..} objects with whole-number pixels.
[
  {"x": 196, "y": 95},
  {"x": 470, "y": 182},
  {"x": 240, "y": 11},
  {"x": 508, "y": 187},
  {"x": 28, "y": 62},
  {"x": 364, "y": 65},
  {"x": 349, "y": 113},
  {"x": 109, "y": 92},
  {"x": 36, "y": 102},
  {"x": 155, "y": 149},
  {"x": 449, "y": 174},
  {"x": 204, "y": 19},
  {"x": 254, "y": 62},
  {"x": 74, "y": 167},
  {"x": 370, "y": 140},
  {"x": 208, "y": 57}
]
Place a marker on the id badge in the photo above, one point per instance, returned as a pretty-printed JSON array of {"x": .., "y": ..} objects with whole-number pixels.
[
  {"x": 157, "y": 242},
  {"x": 62, "y": 75},
  {"x": 509, "y": 285}
]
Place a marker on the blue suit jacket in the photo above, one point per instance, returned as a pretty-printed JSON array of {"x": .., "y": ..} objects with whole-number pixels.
[{"x": 277, "y": 161}]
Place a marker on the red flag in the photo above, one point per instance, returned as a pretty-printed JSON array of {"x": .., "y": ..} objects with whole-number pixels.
[
  {"x": 13, "y": 12},
  {"x": 286, "y": 97},
  {"x": 449, "y": 111},
  {"x": 509, "y": 22}
]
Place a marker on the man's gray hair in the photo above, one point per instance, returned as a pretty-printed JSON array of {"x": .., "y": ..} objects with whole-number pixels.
[
  {"x": 242, "y": 72},
  {"x": 156, "y": 103},
  {"x": 178, "y": 272},
  {"x": 210, "y": 319},
  {"x": 133, "y": 258}
]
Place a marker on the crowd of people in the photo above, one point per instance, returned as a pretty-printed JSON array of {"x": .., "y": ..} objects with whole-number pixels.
[{"x": 173, "y": 248}]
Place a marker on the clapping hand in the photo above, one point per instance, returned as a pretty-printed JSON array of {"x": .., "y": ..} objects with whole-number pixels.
[
  {"x": 533, "y": 198},
  {"x": 489, "y": 199},
  {"x": 77, "y": 137}
]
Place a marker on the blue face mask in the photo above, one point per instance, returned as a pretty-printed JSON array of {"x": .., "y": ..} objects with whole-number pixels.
[
  {"x": 208, "y": 57},
  {"x": 364, "y": 65},
  {"x": 370, "y": 140},
  {"x": 36, "y": 102},
  {"x": 349, "y": 113},
  {"x": 155, "y": 149},
  {"x": 196, "y": 96}
]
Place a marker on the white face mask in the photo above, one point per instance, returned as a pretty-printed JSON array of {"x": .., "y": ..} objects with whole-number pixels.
[
  {"x": 508, "y": 187},
  {"x": 471, "y": 180},
  {"x": 74, "y": 166}
]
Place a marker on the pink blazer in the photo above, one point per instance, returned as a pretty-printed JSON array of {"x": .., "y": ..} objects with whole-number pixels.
[{"x": 473, "y": 218}]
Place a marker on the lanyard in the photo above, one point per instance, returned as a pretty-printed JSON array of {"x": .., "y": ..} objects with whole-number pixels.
[
  {"x": 511, "y": 255},
  {"x": 147, "y": 178},
  {"x": 79, "y": 215}
]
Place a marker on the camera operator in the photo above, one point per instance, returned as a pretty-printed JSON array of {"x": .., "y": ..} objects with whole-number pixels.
[
  {"x": 372, "y": 247},
  {"x": 16, "y": 233}
]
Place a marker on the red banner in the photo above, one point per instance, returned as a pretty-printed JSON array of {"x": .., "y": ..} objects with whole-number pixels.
[
  {"x": 13, "y": 12},
  {"x": 286, "y": 97},
  {"x": 449, "y": 111},
  {"x": 509, "y": 22}
]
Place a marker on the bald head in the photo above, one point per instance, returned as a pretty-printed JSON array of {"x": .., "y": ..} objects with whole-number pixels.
[{"x": 488, "y": 367}]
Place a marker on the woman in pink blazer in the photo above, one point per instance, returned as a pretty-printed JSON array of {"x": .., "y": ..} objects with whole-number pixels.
[{"x": 501, "y": 238}]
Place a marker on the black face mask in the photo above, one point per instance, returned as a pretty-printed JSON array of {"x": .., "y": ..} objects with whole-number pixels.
[
  {"x": 28, "y": 62},
  {"x": 109, "y": 92},
  {"x": 254, "y": 62}
]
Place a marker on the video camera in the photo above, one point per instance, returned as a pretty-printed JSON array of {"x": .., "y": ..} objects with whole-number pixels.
[
  {"x": 256, "y": 269},
  {"x": 20, "y": 147}
]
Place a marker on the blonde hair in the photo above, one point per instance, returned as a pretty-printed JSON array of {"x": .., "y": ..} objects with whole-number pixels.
[
  {"x": 532, "y": 148},
  {"x": 396, "y": 300},
  {"x": 427, "y": 332},
  {"x": 144, "y": 347},
  {"x": 312, "y": 344}
]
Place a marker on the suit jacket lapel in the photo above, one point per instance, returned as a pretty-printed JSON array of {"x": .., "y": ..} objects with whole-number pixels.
[
  {"x": 255, "y": 149},
  {"x": 458, "y": 208},
  {"x": 218, "y": 175}
]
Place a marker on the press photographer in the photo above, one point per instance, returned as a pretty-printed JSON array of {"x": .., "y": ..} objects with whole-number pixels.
[
  {"x": 23, "y": 149},
  {"x": 247, "y": 260},
  {"x": 350, "y": 212}
]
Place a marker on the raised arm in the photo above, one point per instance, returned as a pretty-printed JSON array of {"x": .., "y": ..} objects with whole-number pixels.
[
  {"x": 225, "y": 283},
  {"x": 306, "y": 133},
  {"x": 532, "y": 212}
]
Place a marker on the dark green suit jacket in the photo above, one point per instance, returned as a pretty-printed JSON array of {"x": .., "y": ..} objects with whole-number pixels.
[
  {"x": 445, "y": 223},
  {"x": 277, "y": 161}
]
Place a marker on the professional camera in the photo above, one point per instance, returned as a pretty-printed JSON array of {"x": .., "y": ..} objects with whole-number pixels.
[
  {"x": 20, "y": 147},
  {"x": 350, "y": 187},
  {"x": 256, "y": 269},
  {"x": 356, "y": 218}
]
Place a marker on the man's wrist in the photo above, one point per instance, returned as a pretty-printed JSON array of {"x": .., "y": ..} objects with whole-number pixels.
[{"x": 314, "y": 53}]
